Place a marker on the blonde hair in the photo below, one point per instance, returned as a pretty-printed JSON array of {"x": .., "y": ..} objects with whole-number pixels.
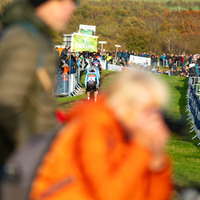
[{"x": 136, "y": 86}]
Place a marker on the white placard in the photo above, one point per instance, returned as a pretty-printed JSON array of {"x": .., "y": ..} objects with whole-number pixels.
[
  {"x": 139, "y": 60},
  {"x": 87, "y": 27},
  {"x": 114, "y": 68}
]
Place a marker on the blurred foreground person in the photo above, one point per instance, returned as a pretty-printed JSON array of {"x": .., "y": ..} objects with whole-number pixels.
[
  {"x": 27, "y": 68},
  {"x": 112, "y": 149}
]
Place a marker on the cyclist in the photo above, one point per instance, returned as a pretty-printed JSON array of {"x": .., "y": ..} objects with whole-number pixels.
[
  {"x": 96, "y": 70},
  {"x": 92, "y": 83},
  {"x": 97, "y": 63}
]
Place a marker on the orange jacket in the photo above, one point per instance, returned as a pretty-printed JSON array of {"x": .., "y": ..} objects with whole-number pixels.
[
  {"x": 65, "y": 71},
  {"x": 91, "y": 159}
]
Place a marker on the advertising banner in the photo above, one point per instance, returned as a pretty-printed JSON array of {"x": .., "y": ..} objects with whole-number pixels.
[
  {"x": 86, "y": 32},
  {"x": 139, "y": 60},
  {"x": 87, "y": 29},
  {"x": 114, "y": 68},
  {"x": 82, "y": 42}
]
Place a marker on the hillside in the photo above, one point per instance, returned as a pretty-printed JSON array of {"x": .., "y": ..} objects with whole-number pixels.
[{"x": 141, "y": 26}]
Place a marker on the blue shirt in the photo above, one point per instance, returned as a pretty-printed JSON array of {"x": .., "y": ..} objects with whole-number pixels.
[{"x": 163, "y": 57}]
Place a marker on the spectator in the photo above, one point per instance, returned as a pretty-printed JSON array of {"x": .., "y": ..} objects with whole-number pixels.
[
  {"x": 84, "y": 63},
  {"x": 152, "y": 58},
  {"x": 56, "y": 51},
  {"x": 183, "y": 69},
  {"x": 182, "y": 61},
  {"x": 171, "y": 72},
  {"x": 179, "y": 61},
  {"x": 159, "y": 71},
  {"x": 166, "y": 72},
  {"x": 155, "y": 60},
  {"x": 190, "y": 58},
  {"x": 119, "y": 62},
  {"x": 162, "y": 59},
  {"x": 167, "y": 60},
  {"x": 177, "y": 72},
  {"x": 112, "y": 145},
  {"x": 65, "y": 83},
  {"x": 114, "y": 54},
  {"x": 64, "y": 52},
  {"x": 114, "y": 61},
  {"x": 194, "y": 71},
  {"x": 144, "y": 54},
  {"x": 153, "y": 69},
  {"x": 186, "y": 71},
  {"x": 181, "y": 72},
  {"x": 198, "y": 60},
  {"x": 90, "y": 60},
  {"x": 122, "y": 56},
  {"x": 176, "y": 60},
  {"x": 170, "y": 64},
  {"x": 146, "y": 64},
  {"x": 186, "y": 60},
  {"x": 126, "y": 56},
  {"x": 174, "y": 66},
  {"x": 29, "y": 65},
  {"x": 71, "y": 64}
]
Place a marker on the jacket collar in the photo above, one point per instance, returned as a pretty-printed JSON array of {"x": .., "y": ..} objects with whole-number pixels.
[{"x": 23, "y": 11}]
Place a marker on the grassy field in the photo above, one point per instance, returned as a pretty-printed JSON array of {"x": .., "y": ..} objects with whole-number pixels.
[{"x": 184, "y": 151}]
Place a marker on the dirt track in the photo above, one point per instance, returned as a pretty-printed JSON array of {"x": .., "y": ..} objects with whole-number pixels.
[{"x": 80, "y": 100}]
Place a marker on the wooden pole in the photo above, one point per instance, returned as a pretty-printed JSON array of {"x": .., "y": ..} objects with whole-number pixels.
[{"x": 116, "y": 53}]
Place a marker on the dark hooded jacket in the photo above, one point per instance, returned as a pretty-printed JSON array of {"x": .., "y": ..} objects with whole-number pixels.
[{"x": 27, "y": 106}]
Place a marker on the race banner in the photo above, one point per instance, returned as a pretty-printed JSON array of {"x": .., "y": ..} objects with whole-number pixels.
[
  {"x": 139, "y": 60},
  {"x": 87, "y": 29},
  {"x": 82, "y": 42},
  {"x": 86, "y": 32}
]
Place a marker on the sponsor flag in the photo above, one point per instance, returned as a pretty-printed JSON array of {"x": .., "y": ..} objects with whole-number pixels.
[
  {"x": 86, "y": 32},
  {"x": 81, "y": 42}
]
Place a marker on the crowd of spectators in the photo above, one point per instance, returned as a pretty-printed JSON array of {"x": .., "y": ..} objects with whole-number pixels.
[
  {"x": 174, "y": 65},
  {"x": 70, "y": 61}
]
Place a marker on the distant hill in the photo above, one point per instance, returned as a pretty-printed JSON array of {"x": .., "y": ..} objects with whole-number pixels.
[
  {"x": 5, "y": 2},
  {"x": 171, "y": 4}
]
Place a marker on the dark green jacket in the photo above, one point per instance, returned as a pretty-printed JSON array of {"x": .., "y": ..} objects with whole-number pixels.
[{"x": 27, "y": 107}]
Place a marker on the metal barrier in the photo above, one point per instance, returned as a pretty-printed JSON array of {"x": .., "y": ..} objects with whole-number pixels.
[
  {"x": 67, "y": 84},
  {"x": 193, "y": 106},
  {"x": 62, "y": 85}
]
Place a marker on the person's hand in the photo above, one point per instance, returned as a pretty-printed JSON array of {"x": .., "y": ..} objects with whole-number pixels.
[{"x": 151, "y": 131}]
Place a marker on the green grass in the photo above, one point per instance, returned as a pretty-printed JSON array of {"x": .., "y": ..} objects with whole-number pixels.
[{"x": 184, "y": 152}]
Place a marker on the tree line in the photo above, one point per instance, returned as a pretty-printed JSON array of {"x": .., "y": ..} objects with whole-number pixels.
[{"x": 140, "y": 26}]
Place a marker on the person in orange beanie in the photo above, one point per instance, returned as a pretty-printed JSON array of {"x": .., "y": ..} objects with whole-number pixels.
[{"x": 112, "y": 149}]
